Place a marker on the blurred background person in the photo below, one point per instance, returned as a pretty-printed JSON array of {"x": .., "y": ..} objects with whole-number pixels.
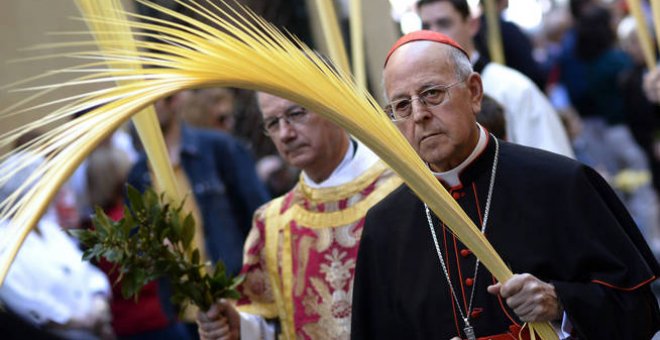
[
  {"x": 48, "y": 284},
  {"x": 66, "y": 202},
  {"x": 516, "y": 44},
  {"x": 212, "y": 108},
  {"x": 340, "y": 177},
  {"x": 278, "y": 176},
  {"x": 216, "y": 173},
  {"x": 593, "y": 73},
  {"x": 492, "y": 117},
  {"x": 642, "y": 115},
  {"x": 120, "y": 139},
  {"x": 144, "y": 317}
]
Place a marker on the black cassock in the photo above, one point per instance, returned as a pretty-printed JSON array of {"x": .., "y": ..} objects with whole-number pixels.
[{"x": 550, "y": 216}]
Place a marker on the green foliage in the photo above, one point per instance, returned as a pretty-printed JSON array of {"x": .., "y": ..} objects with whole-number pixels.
[{"x": 154, "y": 241}]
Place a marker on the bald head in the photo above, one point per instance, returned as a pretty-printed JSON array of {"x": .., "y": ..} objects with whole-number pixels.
[{"x": 427, "y": 55}]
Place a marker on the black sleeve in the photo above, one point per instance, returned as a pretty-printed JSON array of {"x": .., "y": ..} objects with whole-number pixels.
[
  {"x": 600, "y": 312},
  {"x": 615, "y": 300},
  {"x": 601, "y": 309}
]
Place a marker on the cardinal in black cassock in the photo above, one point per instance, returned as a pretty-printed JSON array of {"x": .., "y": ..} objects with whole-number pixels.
[{"x": 549, "y": 217}]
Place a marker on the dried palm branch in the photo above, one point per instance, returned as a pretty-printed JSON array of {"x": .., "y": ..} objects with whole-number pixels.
[
  {"x": 655, "y": 9},
  {"x": 245, "y": 52},
  {"x": 357, "y": 43},
  {"x": 643, "y": 33},
  {"x": 494, "y": 37},
  {"x": 115, "y": 34},
  {"x": 332, "y": 32}
]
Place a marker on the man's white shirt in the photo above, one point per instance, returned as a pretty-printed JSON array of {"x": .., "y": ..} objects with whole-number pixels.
[{"x": 530, "y": 118}]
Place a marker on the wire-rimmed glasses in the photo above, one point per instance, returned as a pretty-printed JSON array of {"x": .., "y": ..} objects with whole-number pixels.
[
  {"x": 297, "y": 116},
  {"x": 430, "y": 97}
]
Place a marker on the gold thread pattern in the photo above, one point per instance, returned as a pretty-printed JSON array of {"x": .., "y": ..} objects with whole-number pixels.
[{"x": 310, "y": 249}]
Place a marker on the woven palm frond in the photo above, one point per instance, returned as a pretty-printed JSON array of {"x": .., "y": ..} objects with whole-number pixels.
[{"x": 244, "y": 51}]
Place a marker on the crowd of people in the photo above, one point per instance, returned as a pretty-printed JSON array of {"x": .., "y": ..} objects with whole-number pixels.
[{"x": 556, "y": 160}]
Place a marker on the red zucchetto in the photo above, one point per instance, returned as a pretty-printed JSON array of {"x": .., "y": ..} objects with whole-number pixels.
[{"x": 424, "y": 35}]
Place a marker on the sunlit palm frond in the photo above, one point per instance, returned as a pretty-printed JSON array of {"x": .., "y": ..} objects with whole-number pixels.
[{"x": 243, "y": 51}]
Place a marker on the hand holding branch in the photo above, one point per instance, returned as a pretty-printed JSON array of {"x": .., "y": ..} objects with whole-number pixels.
[
  {"x": 220, "y": 322},
  {"x": 530, "y": 298}
]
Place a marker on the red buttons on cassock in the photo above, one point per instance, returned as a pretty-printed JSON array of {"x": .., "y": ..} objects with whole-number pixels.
[
  {"x": 466, "y": 252},
  {"x": 476, "y": 312},
  {"x": 469, "y": 282},
  {"x": 456, "y": 195}
]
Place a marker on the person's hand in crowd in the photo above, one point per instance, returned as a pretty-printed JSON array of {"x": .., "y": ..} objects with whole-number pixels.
[
  {"x": 530, "y": 298},
  {"x": 221, "y": 321}
]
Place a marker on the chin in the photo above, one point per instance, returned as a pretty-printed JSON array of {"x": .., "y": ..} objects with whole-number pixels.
[
  {"x": 434, "y": 157},
  {"x": 300, "y": 161}
]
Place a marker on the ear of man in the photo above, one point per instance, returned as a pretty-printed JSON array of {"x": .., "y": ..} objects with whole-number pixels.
[{"x": 475, "y": 87}]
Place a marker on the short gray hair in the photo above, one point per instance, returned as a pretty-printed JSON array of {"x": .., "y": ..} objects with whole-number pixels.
[{"x": 463, "y": 66}]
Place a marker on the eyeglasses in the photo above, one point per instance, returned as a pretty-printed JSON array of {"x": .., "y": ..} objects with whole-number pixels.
[
  {"x": 433, "y": 96},
  {"x": 296, "y": 117}
]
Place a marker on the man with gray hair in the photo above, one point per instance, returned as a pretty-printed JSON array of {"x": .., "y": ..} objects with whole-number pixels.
[
  {"x": 299, "y": 257},
  {"x": 580, "y": 261}
]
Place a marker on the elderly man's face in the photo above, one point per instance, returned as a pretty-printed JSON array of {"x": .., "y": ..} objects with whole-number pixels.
[
  {"x": 443, "y": 135},
  {"x": 307, "y": 139},
  {"x": 442, "y": 17}
]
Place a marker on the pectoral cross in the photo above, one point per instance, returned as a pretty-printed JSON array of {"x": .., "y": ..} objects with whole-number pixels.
[{"x": 469, "y": 332}]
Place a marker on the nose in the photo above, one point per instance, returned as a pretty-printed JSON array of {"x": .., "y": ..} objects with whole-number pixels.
[
  {"x": 436, "y": 27},
  {"x": 419, "y": 110},
  {"x": 286, "y": 131}
]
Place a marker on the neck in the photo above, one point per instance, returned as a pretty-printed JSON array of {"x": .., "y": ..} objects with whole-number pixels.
[
  {"x": 452, "y": 177},
  {"x": 463, "y": 154},
  {"x": 321, "y": 171}
]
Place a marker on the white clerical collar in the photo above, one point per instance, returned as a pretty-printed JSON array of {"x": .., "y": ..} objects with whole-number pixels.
[
  {"x": 358, "y": 158},
  {"x": 474, "y": 57},
  {"x": 451, "y": 177}
]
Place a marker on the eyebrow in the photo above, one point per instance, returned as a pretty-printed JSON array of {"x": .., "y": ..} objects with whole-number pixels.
[
  {"x": 291, "y": 108},
  {"x": 422, "y": 88},
  {"x": 288, "y": 110},
  {"x": 439, "y": 21}
]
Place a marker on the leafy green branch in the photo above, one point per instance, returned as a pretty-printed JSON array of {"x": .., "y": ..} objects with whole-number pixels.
[{"x": 152, "y": 241}]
